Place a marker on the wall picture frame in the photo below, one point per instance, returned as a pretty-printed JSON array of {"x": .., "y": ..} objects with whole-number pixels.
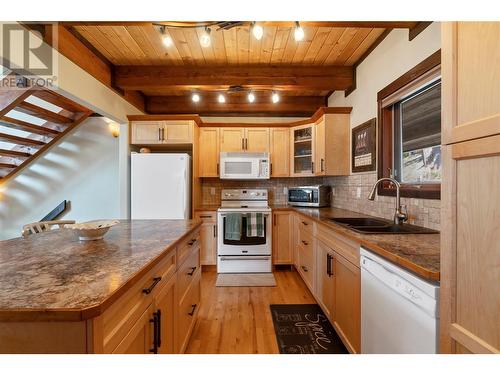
[{"x": 363, "y": 151}]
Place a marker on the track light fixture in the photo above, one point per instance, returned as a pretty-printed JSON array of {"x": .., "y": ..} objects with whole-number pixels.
[
  {"x": 165, "y": 38},
  {"x": 275, "y": 97},
  {"x": 257, "y": 31},
  {"x": 251, "y": 97},
  {"x": 195, "y": 98},
  {"x": 299, "y": 32},
  {"x": 205, "y": 37},
  {"x": 221, "y": 98}
]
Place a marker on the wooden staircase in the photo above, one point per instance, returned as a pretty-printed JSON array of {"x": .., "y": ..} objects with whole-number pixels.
[{"x": 38, "y": 135}]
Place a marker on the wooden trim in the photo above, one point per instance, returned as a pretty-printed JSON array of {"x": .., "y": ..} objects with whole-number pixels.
[
  {"x": 471, "y": 341},
  {"x": 26, "y": 126},
  {"x": 488, "y": 146},
  {"x": 363, "y": 57},
  {"x": 417, "y": 29},
  {"x": 476, "y": 129},
  {"x": 448, "y": 81},
  {"x": 21, "y": 141}
]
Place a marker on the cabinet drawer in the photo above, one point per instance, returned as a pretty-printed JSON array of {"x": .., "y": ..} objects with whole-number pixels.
[
  {"x": 342, "y": 245},
  {"x": 306, "y": 240},
  {"x": 206, "y": 216},
  {"x": 185, "y": 247},
  {"x": 187, "y": 313},
  {"x": 305, "y": 225},
  {"x": 306, "y": 265},
  {"x": 119, "y": 318},
  {"x": 187, "y": 272}
]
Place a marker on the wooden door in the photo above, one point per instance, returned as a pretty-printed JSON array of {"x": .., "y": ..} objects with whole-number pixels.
[
  {"x": 165, "y": 304},
  {"x": 257, "y": 139},
  {"x": 347, "y": 302},
  {"x": 178, "y": 132},
  {"x": 146, "y": 132},
  {"x": 320, "y": 155},
  {"x": 302, "y": 146},
  {"x": 139, "y": 339},
  {"x": 209, "y": 152},
  {"x": 470, "y": 80},
  {"x": 282, "y": 237},
  {"x": 325, "y": 281},
  {"x": 280, "y": 152},
  {"x": 232, "y": 139}
]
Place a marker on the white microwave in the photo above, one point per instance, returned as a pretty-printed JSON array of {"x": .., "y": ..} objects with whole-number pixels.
[{"x": 244, "y": 165}]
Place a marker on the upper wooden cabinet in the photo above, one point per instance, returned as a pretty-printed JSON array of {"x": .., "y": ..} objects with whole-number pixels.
[
  {"x": 470, "y": 80},
  {"x": 244, "y": 139},
  {"x": 332, "y": 149},
  {"x": 302, "y": 147},
  {"x": 279, "y": 152},
  {"x": 161, "y": 132},
  {"x": 209, "y": 152}
]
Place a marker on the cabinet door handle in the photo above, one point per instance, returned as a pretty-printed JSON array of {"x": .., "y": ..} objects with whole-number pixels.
[
  {"x": 148, "y": 290},
  {"x": 192, "y": 271},
  {"x": 312, "y": 167},
  {"x": 329, "y": 259},
  {"x": 246, "y": 143},
  {"x": 305, "y": 242},
  {"x": 155, "y": 334},
  {"x": 322, "y": 165},
  {"x": 159, "y": 134},
  {"x": 274, "y": 219},
  {"x": 304, "y": 223},
  {"x": 304, "y": 268},
  {"x": 193, "y": 309},
  {"x": 217, "y": 168},
  {"x": 215, "y": 230},
  {"x": 242, "y": 143},
  {"x": 192, "y": 242},
  {"x": 271, "y": 169},
  {"x": 163, "y": 134}
]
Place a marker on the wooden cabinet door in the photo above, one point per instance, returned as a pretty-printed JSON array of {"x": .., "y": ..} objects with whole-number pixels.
[
  {"x": 257, "y": 139},
  {"x": 280, "y": 152},
  {"x": 178, "y": 132},
  {"x": 325, "y": 281},
  {"x": 282, "y": 238},
  {"x": 165, "y": 305},
  {"x": 470, "y": 80},
  {"x": 146, "y": 132},
  {"x": 320, "y": 156},
  {"x": 232, "y": 139},
  {"x": 295, "y": 238},
  {"x": 347, "y": 302},
  {"x": 302, "y": 155},
  {"x": 208, "y": 239},
  {"x": 470, "y": 247},
  {"x": 139, "y": 339},
  {"x": 209, "y": 152}
]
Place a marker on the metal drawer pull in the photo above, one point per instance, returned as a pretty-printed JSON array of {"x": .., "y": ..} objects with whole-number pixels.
[
  {"x": 329, "y": 259},
  {"x": 304, "y": 268},
  {"x": 156, "y": 280},
  {"x": 305, "y": 242},
  {"x": 192, "y": 271},
  {"x": 305, "y": 223},
  {"x": 205, "y": 216},
  {"x": 190, "y": 243},
  {"x": 193, "y": 310}
]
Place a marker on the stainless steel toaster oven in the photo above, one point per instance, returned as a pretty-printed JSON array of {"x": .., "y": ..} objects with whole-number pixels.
[{"x": 309, "y": 196}]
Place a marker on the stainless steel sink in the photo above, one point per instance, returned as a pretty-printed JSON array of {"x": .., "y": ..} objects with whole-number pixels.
[{"x": 368, "y": 225}]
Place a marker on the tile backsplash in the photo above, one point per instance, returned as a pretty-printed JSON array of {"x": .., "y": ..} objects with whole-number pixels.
[{"x": 345, "y": 190}]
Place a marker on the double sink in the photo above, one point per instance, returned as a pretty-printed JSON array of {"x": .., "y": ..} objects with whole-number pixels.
[{"x": 367, "y": 225}]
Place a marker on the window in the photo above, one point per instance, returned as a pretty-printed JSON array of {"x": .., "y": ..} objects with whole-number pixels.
[{"x": 410, "y": 131}]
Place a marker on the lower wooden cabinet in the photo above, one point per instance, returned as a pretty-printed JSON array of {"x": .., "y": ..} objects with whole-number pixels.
[
  {"x": 208, "y": 237},
  {"x": 164, "y": 307},
  {"x": 282, "y": 237},
  {"x": 187, "y": 313},
  {"x": 347, "y": 302},
  {"x": 325, "y": 281},
  {"x": 139, "y": 339}
]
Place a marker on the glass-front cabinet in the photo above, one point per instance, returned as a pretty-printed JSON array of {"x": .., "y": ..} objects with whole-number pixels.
[{"x": 302, "y": 146}]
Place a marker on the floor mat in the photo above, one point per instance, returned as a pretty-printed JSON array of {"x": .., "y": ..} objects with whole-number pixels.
[
  {"x": 245, "y": 279},
  {"x": 304, "y": 329}
]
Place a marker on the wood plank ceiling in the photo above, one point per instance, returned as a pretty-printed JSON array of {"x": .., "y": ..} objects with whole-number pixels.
[{"x": 304, "y": 72}]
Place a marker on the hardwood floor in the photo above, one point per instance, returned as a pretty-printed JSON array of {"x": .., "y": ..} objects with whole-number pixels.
[{"x": 237, "y": 320}]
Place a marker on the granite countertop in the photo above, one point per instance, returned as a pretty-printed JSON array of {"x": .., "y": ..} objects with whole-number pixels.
[
  {"x": 419, "y": 253},
  {"x": 56, "y": 275}
]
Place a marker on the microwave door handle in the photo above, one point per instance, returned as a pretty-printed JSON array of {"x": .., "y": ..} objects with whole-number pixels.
[{"x": 310, "y": 196}]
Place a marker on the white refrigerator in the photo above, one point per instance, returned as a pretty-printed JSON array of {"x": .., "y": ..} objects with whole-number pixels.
[{"x": 160, "y": 186}]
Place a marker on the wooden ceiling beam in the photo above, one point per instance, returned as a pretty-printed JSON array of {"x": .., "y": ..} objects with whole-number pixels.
[
  {"x": 298, "y": 106},
  {"x": 287, "y": 77}
]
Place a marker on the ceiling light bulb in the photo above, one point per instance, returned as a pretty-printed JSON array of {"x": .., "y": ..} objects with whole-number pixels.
[
  {"x": 167, "y": 40},
  {"x": 299, "y": 32},
  {"x": 205, "y": 38},
  {"x": 251, "y": 97},
  {"x": 257, "y": 31},
  {"x": 195, "y": 98},
  {"x": 221, "y": 98},
  {"x": 275, "y": 98}
]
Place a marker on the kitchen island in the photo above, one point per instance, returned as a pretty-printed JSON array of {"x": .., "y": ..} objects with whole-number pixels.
[{"x": 129, "y": 292}]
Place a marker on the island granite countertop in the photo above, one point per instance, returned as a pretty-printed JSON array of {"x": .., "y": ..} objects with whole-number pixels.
[{"x": 53, "y": 273}]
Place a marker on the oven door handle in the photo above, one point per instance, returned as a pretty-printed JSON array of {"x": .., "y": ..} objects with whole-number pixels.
[
  {"x": 243, "y": 213},
  {"x": 248, "y": 257}
]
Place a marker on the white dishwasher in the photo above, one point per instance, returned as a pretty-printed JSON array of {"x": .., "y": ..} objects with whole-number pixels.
[{"x": 399, "y": 311}]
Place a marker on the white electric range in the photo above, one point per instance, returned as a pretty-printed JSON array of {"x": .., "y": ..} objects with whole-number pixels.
[{"x": 248, "y": 254}]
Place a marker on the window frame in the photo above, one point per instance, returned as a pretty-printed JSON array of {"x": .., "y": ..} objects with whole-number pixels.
[{"x": 385, "y": 133}]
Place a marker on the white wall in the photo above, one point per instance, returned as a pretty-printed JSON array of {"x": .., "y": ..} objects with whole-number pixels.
[{"x": 83, "y": 168}]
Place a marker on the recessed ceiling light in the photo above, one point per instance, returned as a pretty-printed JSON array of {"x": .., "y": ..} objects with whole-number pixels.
[
  {"x": 275, "y": 98},
  {"x": 165, "y": 38},
  {"x": 257, "y": 31},
  {"x": 299, "y": 32},
  {"x": 195, "y": 98},
  {"x": 221, "y": 98},
  {"x": 205, "y": 38},
  {"x": 251, "y": 97}
]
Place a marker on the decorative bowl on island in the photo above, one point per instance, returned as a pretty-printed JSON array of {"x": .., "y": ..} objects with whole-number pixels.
[{"x": 92, "y": 230}]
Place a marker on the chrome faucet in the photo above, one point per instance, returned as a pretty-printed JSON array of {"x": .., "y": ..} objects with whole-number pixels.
[{"x": 399, "y": 216}]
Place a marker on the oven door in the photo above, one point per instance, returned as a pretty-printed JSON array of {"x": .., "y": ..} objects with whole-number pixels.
[{"x": 246, "y": 245}]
